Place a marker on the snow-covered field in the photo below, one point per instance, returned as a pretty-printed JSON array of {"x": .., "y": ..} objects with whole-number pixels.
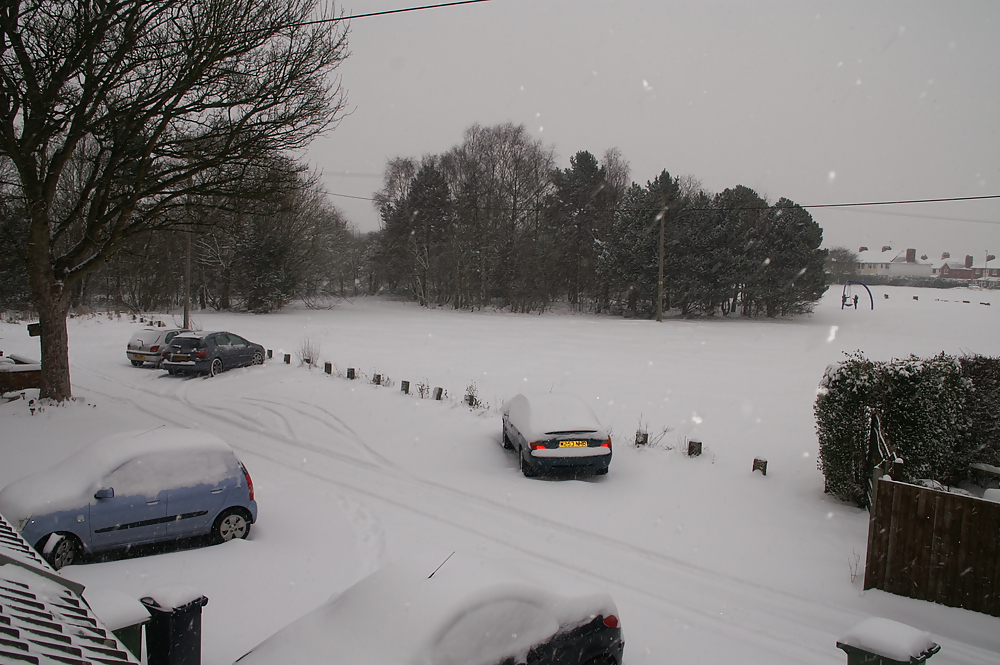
[{"x": 708, "y": 561}]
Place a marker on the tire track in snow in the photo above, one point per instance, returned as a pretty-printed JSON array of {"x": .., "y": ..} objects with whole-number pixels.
[{"x": 785, "y": 626}]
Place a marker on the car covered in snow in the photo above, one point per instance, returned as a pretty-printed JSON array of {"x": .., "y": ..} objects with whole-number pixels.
[
  {"x": 451, "y": 610},
  {"x": 210, "y": 353},
  {"x": 148, "y": 345},
  {"x": 133, "y": 488},
  {"x": 555, "y": 432}
]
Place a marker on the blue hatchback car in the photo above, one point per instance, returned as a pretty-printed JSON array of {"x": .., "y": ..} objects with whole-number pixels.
[{"x": 132, "y": 489}]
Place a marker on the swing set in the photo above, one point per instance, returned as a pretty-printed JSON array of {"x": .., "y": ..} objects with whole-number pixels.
[{"x": 849, "y": 300}]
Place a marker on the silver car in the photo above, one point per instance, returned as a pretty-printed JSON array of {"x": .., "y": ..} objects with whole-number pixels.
[{"x": 147, "y": 345}]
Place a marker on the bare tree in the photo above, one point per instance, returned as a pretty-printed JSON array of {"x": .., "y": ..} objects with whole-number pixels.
[{"x": 113, "y": 112}]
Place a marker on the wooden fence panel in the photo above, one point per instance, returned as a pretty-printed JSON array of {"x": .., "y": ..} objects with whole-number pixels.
[{"x": 936, "y": 546}]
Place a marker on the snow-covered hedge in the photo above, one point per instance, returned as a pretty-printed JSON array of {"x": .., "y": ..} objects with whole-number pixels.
[{"x": 938, "y": 415}]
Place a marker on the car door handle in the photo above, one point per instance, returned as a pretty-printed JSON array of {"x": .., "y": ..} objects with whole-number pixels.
[{"x": 218, "y": 490}]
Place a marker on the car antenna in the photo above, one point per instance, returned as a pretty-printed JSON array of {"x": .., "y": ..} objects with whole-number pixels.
[
  {"x": 441, "y": 566},
  {"x": 148, "y": 431}
]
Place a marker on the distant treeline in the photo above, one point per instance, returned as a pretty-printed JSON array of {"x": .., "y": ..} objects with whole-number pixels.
[{"x": 494, "y": 223}]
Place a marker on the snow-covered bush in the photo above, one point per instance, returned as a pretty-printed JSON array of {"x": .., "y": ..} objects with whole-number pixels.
[
  {"x": 927, "y": 411},
  {"x": 844, "y": 410}
]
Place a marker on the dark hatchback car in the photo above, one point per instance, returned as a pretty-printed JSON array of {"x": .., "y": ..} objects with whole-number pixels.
[
  {"x": 210, "y": 353},
  {"x": 455, "y": 610}
]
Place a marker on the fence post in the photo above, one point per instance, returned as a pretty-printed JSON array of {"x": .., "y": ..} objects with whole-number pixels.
[
  {"x": 350, "y": 373},
  {"x": 404, "y": 386},
  {"x": 759, "y": 464},
  {"x": 328, "y": 368},
  {"x": 694, "y": 449},
  {"x": 438, "y": 393}
]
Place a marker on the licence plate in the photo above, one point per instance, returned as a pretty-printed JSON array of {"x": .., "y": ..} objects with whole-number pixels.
[
  {"x": 572, "y": 444},
  {"x": 181, "y": 359}
]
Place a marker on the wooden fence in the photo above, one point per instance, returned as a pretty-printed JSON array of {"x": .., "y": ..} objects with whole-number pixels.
[{"x": 935, "y": 546}]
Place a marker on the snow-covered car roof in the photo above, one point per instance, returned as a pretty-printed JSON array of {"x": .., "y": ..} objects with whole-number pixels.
[
  {"x": 72, "y": 482},
  {"x": 153, "y": 334},
  {"x": 538, "y": 415},
  {"x": 465, "y": 611}
]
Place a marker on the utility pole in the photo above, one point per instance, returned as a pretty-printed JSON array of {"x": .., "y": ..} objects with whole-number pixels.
[{"x": 659, "y": 288}]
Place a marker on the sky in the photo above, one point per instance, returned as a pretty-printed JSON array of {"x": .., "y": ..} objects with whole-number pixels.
[
  {"x": 707, "y": 560},
  {"x": 820, "y": 102}
]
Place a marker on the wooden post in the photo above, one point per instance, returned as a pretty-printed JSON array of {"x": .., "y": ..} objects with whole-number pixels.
[
  {"x": 694, "y": 448},
  {"x": 760, "y": 464},
  {"x": 350, "y": 373},
  {"x": 377, "y": 379},
  {"x": 270, "y": 353},
  {"x": 288, "y": 359},
  {"x": 404, "y": 386},
  {"x": 438, "y": 393},
  {"x": 641, "y": 438},
  {"x": 328, "y": 368}
]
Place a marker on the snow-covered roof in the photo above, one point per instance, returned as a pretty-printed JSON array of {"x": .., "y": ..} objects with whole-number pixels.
[
  {"x": 72, "y": 482},
  {"x": 457, "y": 610},
  {"x": 537, "y": 415},
  {"x": 45, "y": 621}
]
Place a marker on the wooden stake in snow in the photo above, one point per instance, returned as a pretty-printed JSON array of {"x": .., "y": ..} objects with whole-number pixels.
[
  {"x": 760, "y": 464},
  {"x": 350, "y": 373},
  {"x": 438, "y": 393},
  {"x": 288, "y": 359},
  {"x": 694, "y": 448},
  {"x": 328, "y": 368},
  {"x": 404, "y": 386}
]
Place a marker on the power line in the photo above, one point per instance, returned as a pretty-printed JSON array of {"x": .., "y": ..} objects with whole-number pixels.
[{"x": 885, "y": 203}]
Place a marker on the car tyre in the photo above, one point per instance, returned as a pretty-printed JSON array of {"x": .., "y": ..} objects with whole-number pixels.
[
  {"x": 136, "y": 363},
  {"x": 258, "y": 358},
  {"x": 605, "y": 659},
  {"x": 526, "y": 468},
  {"x": 216, "y": 367},
  {"x": 231, "y": 524},
  {"x": 63, "y": 553}
]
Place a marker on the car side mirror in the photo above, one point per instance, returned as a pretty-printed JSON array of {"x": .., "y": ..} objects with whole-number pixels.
[{"x": 105, "y": 493}]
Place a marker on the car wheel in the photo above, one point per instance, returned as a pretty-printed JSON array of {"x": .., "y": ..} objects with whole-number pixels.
[
  {"x": 216, "y": 367},
  {"x": 62, "y": 551},
  {"x": 526, "y": 468},
  {"x": 171, "y": 372},
  {"x": 136, "y": 363},
  {"x": 231, "y": 524},
  {"x": 258, "y": 358}
]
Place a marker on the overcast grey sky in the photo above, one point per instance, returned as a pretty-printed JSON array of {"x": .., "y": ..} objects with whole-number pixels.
[{"x": 820, "y": 102}]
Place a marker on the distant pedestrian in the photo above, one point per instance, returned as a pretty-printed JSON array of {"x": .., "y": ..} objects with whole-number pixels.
[{"x": 855, "y": 302}]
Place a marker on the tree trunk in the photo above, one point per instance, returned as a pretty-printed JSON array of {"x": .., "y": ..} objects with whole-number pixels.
[{"x": 52, "y": 314}]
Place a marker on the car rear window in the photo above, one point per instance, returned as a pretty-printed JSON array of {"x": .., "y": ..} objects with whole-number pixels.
[
  {"x": 146, "y": 337},
  {"x": 186, "y": 342}
]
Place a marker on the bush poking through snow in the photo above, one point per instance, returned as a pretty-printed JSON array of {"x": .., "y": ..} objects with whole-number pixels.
[{"x": 308, "y": 352}]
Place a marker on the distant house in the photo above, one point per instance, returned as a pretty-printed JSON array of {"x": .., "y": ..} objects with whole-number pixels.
[
  {"x": 976, "y": 275},
  {"x": 887, "y": 263}
]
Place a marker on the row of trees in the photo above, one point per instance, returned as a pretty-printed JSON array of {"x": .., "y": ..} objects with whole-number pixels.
[
  {"x": 493, "y": 222},
  {"x": 117, "y": 117},
  {"x": 938, "y": 415}
]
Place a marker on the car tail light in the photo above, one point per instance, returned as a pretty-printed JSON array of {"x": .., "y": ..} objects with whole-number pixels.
[
  {"x": 154, "y": 348},
  {"x": 611, "y": 621},
  {"x": 538, "y": 446},
  {"x": 201, "y": 355},
  {"x": 246, "y": 474},
  {"x": 607, "y": 444}
]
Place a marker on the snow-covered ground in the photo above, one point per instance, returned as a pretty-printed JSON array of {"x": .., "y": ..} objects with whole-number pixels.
[{"x": 708, "y": 561}]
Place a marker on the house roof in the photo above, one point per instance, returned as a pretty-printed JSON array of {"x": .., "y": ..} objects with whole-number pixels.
[{"x": 43, "y": 618}]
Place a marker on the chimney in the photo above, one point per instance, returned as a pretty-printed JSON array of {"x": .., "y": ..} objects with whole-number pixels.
[
  {"x": 886, "y": 248},
  {"x": 968, "y": 261},
  {"x": 945, "y": 255},
  {"x": 911, "y": 256},
  {"x": 862, "y": 249}
]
